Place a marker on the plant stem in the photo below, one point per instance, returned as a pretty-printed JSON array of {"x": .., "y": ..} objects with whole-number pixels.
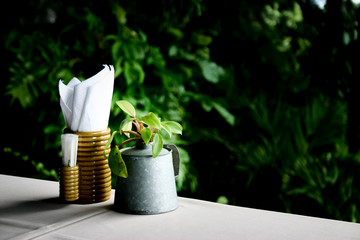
[
  {"x": 132, "y": 132},
  {"x": 136, "y": 123},
  {"x": 127, "y": 141}
]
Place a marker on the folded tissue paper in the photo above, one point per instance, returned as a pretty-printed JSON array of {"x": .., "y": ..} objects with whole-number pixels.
[
  {"x": 69, "y": 172},
  {"x": 86, "y": 104},
  {"x": 69, "y": 146}
]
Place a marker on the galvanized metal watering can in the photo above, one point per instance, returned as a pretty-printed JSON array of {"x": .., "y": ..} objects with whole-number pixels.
[{"x": 150, "y": 187}]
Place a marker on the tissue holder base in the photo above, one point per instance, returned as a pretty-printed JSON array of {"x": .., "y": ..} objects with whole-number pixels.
[
  {"x": 94, "y": 170},
  {"x": 69, "y": 183}
]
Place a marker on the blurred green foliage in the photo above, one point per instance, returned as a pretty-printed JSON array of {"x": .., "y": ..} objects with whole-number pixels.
[{"x": 266, "y": 92}]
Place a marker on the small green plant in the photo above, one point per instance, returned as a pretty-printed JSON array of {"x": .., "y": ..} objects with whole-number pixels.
[{"x": 147, "y": 130}]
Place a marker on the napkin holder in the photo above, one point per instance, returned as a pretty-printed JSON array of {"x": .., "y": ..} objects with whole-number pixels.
[
  {"x": 94, "y": 170},
  {"x": 69, "y": 183}
]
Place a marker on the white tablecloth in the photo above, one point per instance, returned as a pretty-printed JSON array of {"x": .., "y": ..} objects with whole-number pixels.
[{"x": 30, "y": 209}]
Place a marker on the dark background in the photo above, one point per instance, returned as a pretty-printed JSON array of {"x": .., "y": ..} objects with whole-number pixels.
[{"x": 267, "y": 92}]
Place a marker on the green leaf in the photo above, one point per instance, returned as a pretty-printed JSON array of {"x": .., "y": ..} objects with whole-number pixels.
[
  {"x": 157, "y": 145},
  {"x": 146, "y": 135},
  {"x": 211, "y": 71},
  {"x": 229, "y": 117},
  {"x": 118, "y": 68},
  {"x": 22, "y": 93},
  {"x": 152, "y": 120},
  {"x": 223, "y": 200},
  {"x": 167, "y": 129},
  {"x": 174, "y": 127},
  {"x": 141, "y": 74},
  {"x": 126, "y": 125},
  {"x": 176, "y": 32},
  {"x": 127, "y": 107},
  {"x": 120, "y": 14},
  {"x": 109, "y": 142},
  {"x": 117, "y": 163},
  {"x": 116, "y": 49},
  {"x": 201, "y": 39},
  {"x": 133, "y": 73}
]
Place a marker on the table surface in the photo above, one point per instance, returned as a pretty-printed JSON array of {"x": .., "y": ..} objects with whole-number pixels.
[{"x": 30, "y": 209}]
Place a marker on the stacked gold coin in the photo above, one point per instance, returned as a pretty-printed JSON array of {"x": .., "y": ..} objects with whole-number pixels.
[
  {"x": 95, "y": 173},
  {"x": 69, "y": 183}
]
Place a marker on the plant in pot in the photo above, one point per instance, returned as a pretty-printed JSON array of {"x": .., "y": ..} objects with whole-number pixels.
[{"x": 145, "y": 173}]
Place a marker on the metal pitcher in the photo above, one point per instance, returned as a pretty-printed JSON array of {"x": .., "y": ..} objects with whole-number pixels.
[{"x": 150, "y": 187}]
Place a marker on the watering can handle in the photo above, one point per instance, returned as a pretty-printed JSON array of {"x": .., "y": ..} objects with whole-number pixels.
[{"x": 175, "y": 157}]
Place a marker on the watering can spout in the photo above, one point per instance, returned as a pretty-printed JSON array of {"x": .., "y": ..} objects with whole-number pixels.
[{"x": 175, "y": 157}]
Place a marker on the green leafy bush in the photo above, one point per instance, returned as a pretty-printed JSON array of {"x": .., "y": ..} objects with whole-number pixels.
[{"x": 263, "y": 90}]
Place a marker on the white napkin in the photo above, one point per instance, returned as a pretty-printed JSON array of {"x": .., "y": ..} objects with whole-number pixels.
[
  {"x": 86, "y": 105},
  {"x": 69, "y": 146}
]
